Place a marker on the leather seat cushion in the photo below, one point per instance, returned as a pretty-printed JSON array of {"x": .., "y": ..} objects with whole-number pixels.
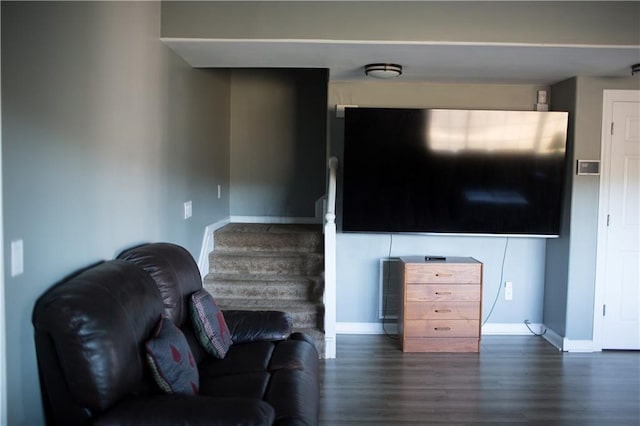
[
  {"x": 242, "y": 358},
  {"x": 245, "y": 385}
]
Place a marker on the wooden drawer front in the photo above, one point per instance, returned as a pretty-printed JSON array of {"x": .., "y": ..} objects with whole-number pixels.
[
  {"x": 443, "y": 293},
  {"x": 444, "y": 273},
  {"x": 457, "y": 344},
  {"x": 442, "y": 328},
  {"x": 442, "y": 310}
]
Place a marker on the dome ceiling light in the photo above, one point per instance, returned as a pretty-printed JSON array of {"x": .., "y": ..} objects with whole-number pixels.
[{"x": 383, "y": 70}]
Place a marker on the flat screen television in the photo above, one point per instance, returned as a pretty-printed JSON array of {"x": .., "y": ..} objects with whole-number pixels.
[{"x": 453, "y": 171}]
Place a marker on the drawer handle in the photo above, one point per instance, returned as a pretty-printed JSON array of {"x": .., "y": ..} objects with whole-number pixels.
[
  {"x": 439, "y": 274},
  {"x": 443, "y": 293},
  {"x": 442, "y": 328},
  {"x": 443, "y": 311}
]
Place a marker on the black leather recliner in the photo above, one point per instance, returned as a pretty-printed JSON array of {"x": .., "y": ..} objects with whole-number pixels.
[{"x": 90, "y": 332}]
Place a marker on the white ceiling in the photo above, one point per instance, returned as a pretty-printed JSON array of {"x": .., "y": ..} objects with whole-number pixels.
[{"x": 422, "y": 61}]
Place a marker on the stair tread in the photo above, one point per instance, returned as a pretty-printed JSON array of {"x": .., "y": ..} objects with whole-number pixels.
[
  {"x": 238, "y": 301},
  {"x": 247, "y": 237},
  {"x": 258, "y": 248},
  {"x": 277, "y": 287},
  {"x": 249, "y": 277},
  {"x": 274, "y": 228},
  {"x": 228, "y": 303},
  {"x": 245, "y": 254}
]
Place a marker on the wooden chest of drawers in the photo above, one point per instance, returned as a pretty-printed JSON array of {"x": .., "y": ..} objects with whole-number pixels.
[{"x": 440, "y": 304}]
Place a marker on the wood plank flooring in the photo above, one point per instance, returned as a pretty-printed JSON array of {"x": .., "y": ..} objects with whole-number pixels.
[{"x": 513, "y": 380}]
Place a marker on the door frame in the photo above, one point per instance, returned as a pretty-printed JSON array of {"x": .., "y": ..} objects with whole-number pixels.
[{"x": 609, "y": 97}]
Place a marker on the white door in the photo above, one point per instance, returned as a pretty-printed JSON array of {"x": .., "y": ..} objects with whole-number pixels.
[{"x": 620, "y": 213}]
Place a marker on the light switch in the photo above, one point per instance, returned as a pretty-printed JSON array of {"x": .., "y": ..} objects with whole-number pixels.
[
  {"x": 17, "y": 261},
  {"x": 187, "y": 210}
]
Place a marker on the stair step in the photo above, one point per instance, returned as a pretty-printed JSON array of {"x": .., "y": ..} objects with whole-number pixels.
[
  {"x": 283, "y": 263},
  {"x": 271, "y": 267},
  {"x": 255, "y": 237},
  {"x": 261, "y": 286},
  {"x": 303, "y": 314}
]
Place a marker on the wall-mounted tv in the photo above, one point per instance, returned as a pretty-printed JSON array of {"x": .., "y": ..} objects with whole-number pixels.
[{"x": 453, "y": 171}]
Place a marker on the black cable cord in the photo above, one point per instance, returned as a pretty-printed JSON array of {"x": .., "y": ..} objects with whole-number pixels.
[
  {"x": 387, "y": 280},
  {"x": 504, "y": 256}
]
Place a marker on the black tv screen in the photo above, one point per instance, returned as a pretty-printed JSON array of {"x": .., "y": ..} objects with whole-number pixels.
[{"x": 453, "y": 171}]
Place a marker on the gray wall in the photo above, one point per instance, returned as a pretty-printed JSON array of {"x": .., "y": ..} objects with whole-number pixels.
[
  {"x": 577, "y": 252},
  {"x": 105, "y": 134},
  {"x": 516, "y": 21},
  {"x": 359, "y": 254},
  {"x": 557, "y": 254},
  {"x": 278, "y": 142}
]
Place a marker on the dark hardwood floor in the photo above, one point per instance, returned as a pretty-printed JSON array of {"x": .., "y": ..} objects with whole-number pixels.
[{"x": 513, "y": 380}]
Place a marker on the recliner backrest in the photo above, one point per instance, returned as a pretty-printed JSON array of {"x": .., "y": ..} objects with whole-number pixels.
[
  {"x": 89, "y": 333},
  {"x": 177, "y": 276},
  {"x": 175, "y": 272}
]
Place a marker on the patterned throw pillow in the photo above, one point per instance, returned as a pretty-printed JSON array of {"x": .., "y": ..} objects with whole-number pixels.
[
  {"x": 171, "y": 361},
  {"x": 209, "y": 324}
]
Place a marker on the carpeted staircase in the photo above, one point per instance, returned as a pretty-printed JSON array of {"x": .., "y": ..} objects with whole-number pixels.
[{"x": 273, "y": 267}]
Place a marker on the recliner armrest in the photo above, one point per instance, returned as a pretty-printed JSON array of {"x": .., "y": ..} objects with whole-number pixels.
[
  {"x": 253, "y": 326},
  {"x": 171, "y": 410}
]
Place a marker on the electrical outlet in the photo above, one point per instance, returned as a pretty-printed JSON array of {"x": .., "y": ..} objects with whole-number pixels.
[{"x": 508, "y": 290}]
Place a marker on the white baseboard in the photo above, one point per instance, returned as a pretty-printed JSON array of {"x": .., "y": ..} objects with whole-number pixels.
[
  {"x": 207, "y": 245},
  {"x": 568, "y": 345},
  {"x": 330, "y": 347},
  {"x": 554, "y": 338},
  {"x": 496, "y": 329},
  {"x": 273, "y": 219},
  {"x": 365, "y": 328},
  {"x": 572, "y": 345},
  {"x": 511, "y": 329}
]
